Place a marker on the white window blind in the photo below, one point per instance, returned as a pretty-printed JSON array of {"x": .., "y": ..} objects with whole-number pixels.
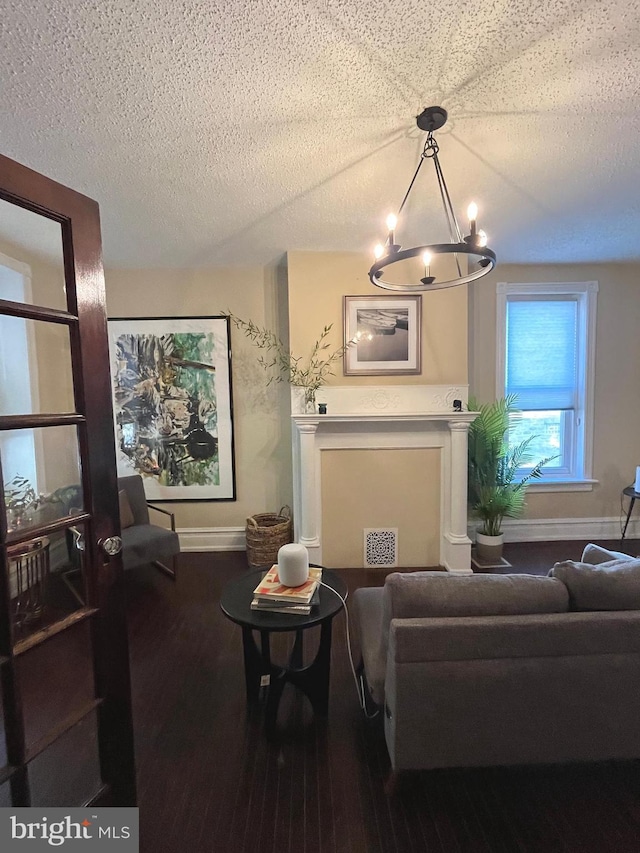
[
  {"x": 546, "y": 334},
  {"x": 542, "y": 352}
]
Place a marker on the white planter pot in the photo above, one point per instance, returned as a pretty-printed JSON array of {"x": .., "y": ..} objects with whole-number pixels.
[{"x": 489, "y": 548}]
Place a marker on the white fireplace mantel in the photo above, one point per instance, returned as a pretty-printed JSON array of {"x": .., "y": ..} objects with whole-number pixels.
[{"x": 441, "y": 428}]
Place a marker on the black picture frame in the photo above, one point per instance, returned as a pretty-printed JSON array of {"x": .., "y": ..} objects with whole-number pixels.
[
  {"x": 386, "y": 332},
  {"x": 173, "y": 405}
]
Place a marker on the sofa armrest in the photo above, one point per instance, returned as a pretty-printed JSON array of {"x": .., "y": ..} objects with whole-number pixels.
[{"x": 368, "y": 616}]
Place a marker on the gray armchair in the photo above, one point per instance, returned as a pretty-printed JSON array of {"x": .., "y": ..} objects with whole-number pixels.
[{"x": 143, "y": 542}]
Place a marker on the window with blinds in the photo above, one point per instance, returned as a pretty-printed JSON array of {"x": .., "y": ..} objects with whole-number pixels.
[{"x": 546, "y": 339}]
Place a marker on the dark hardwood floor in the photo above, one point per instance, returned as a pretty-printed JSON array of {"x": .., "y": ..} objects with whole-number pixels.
[{"x": 208, "y": 780}]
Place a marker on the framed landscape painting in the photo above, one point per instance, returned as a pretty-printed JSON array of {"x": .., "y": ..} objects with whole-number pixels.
[
  {"x": 173, "y": 410},
  {"x": 387, "y": 333}
]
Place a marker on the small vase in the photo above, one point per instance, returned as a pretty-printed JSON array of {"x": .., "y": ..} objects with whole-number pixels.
[
  {"x": 17, "y": 518},
  {"x": 309, "y": 401}
]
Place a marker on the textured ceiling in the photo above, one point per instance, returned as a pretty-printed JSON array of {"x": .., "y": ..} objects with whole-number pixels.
[{"x": 228, "y": 133}]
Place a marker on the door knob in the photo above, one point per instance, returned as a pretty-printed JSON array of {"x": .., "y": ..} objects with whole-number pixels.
[{"x": 111, "y": 546}]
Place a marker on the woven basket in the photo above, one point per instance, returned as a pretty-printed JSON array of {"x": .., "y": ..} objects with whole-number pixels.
[{"x": 266, "y": 534}]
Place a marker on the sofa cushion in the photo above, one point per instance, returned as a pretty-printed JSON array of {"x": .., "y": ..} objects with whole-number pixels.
[
  {"x": 594, "y": 554},
  {"x": 437, "y": 594},
  {"x": 420, "y": 594},
  {"x": 126, "y": 513},
  {"x": 144, "y": 543},
  {"x": 614, "y": 585}
]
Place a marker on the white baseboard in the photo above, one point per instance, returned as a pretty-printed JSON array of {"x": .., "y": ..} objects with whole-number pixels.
[
  {"x": 549, "y": 529},
  {"x": 212, "y": 539},
  {"x": 515, "y": 530}
]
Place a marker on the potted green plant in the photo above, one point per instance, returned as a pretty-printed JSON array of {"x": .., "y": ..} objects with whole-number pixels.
[
  {"x": 19, "y": 498},
  {"x": 310, "y": 375},
  {"x": 496, "y": 490}
]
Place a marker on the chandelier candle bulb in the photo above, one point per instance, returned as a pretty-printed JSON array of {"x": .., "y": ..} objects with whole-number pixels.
[
  {"x": 472, "y": 213},
  {"x": 392, "y": 221},
  {"x": 426, "y": 260}
]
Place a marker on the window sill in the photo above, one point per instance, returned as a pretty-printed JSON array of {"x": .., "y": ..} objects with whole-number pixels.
[{"x": 585, "y": 485}]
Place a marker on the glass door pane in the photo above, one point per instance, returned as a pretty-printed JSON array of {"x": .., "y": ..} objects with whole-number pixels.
[
  {"x": 77, "y": 751},
  {"x": 56, "y": 682},
  {"x": 31, "y": 259},
  {"x": 47, "y": 581},
  {"x": 42, "y": 475},
  {"x": 35, "y": 367}
]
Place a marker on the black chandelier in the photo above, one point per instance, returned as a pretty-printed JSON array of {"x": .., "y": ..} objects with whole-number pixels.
[{"x": 472, "y": 258}]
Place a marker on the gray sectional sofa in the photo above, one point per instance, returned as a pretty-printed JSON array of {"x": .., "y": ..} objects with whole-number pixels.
[{"x": 506, "y": 669}]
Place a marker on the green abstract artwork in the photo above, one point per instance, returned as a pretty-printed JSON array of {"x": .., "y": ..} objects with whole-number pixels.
[{"x": 172, "y": 405}]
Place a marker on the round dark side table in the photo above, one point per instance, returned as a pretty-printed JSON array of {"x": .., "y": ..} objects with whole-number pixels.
[
  {"x": 259, "y": 670},
  {"x": 629, "y": 492}
]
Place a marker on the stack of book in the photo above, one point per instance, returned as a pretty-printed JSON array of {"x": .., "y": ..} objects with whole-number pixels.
[{"x": 271, "y": 596}]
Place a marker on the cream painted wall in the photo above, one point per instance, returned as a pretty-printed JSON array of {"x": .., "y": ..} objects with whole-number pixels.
[
  {"x": 617, "y": 387},
  {"x": 296, "y": 305},
  {"x": 299, "y": 303},
  {"x": 261, "y": 412},
  {"x": 381, "y": 488},
  {"x": 319, "y": 280},
  {"x": 317, "y": 283}
]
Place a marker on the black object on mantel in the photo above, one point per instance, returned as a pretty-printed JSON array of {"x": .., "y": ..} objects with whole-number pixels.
[{"x": 457, "y": 405}]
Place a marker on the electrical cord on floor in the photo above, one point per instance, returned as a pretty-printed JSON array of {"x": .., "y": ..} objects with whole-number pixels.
[{"x": 360, "y": 688}]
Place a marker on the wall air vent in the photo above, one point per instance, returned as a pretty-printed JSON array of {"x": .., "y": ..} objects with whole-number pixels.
[{"x": 381, "y": 547}]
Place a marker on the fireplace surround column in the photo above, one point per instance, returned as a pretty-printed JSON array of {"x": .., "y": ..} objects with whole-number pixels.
[
  {"x": 456, "y": 543},
  {"x": 309, "y": 534},
  {"x": 459, "y": 441}
]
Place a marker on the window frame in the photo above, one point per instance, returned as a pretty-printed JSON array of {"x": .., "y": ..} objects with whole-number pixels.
[{"x": 586, "y": 292}]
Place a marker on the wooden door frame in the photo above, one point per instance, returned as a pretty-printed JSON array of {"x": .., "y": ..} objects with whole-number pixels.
[{"x": 84, "y": 277}]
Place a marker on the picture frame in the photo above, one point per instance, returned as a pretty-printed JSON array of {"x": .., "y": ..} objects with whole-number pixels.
[
  {"x": 173, "y": 405},
  {"x": 386, "y": 331}
]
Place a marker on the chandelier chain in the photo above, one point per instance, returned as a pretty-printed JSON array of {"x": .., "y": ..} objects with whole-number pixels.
[
  {"x": 406, "y": 195},
  {"x": 431, "y": 147},
  {"x": 448, "y": 209},
  {"x": 454, "y": 228}
]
